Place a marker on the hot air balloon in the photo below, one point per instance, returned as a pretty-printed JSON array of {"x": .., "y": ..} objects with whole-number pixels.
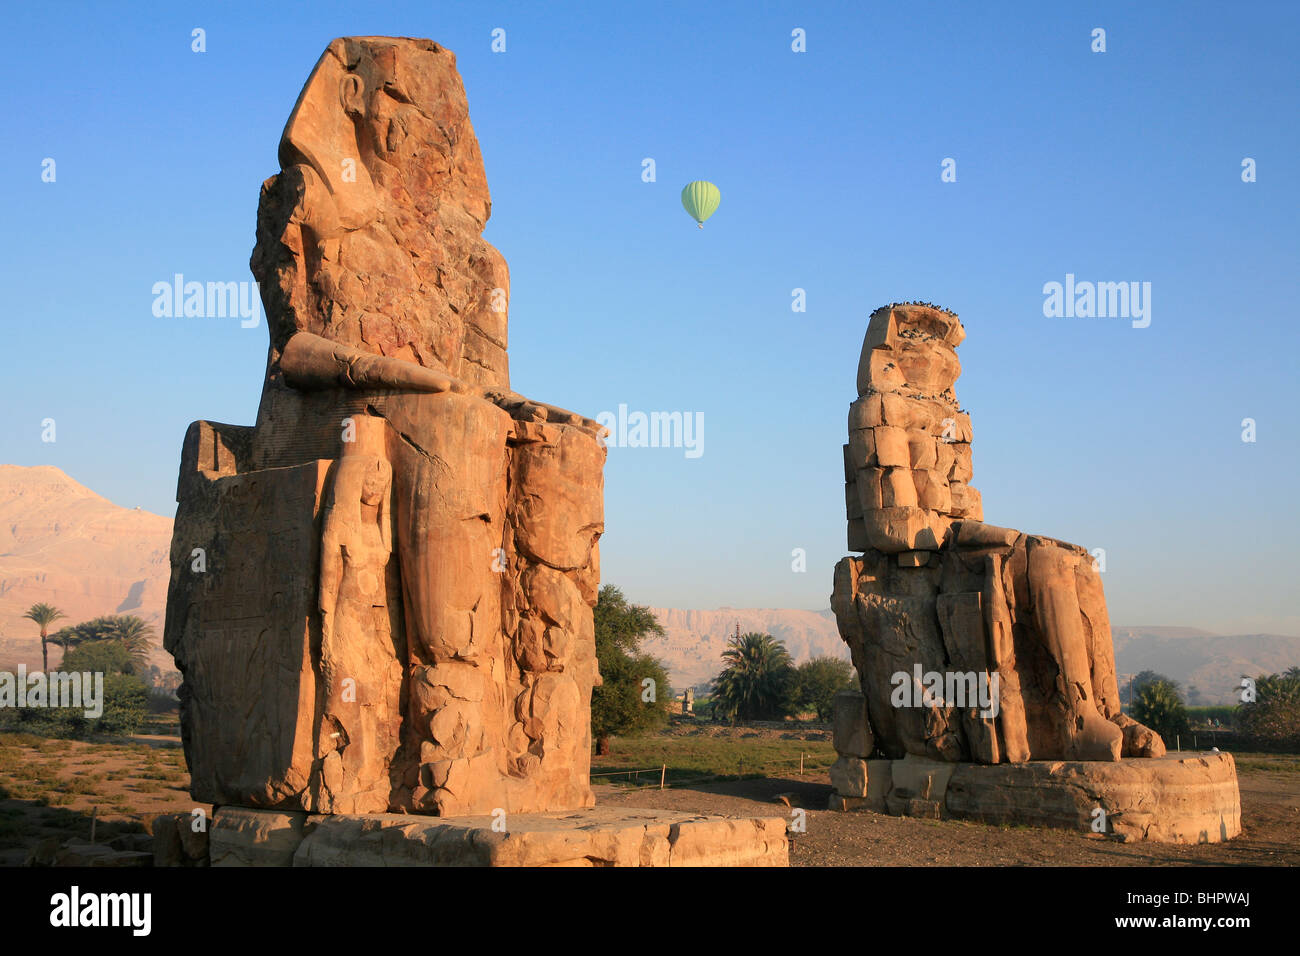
[{"x": 700, "y": 199}]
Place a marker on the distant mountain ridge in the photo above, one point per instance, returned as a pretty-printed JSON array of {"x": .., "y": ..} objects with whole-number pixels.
[
  {"x": 62, "y": 544},
  {"x": 1208, "y": 666},
  {"x": 694, "y": 640}
]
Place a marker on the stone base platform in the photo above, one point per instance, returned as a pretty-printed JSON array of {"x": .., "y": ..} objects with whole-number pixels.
[
  {"x": 596, "y": 836},
  {"x": 1178, "y": 798}
]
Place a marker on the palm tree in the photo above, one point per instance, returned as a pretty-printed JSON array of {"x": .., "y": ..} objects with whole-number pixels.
[
  {"x": 44, "y": 615},
  {"x": 756, "y": 680},
  {"x": 1159, "y": 706},
  {"x": 1275, "y": 712},
  {"x": 136, "y": 635}
]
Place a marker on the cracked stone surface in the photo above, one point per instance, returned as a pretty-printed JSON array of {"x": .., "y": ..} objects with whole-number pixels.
[
  {"x": 1019, "y": 619},
  {"x": 381, "y": 593},
  {"x": 598, "y": 836}
]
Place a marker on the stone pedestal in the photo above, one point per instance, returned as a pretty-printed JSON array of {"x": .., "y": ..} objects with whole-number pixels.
[
  {"x": 597, "y": 836},
  {"x": 1178, "y": 798}
]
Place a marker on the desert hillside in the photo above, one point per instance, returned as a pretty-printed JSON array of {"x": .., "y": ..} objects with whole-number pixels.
[
  {"x": 62, "y": 544},
  {"x": 693, "y": 641},
  {"x": 1208, "y": 666}
]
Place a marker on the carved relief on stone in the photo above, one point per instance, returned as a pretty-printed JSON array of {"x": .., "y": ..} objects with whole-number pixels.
[
  {"x": 362, "y": 645},
  {"x": 441, "y": 655}
]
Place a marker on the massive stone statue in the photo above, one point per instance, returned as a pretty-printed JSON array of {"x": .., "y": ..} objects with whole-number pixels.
[
  {"x": 972, "y": 642},
  {"x": 381, "y": 593}
]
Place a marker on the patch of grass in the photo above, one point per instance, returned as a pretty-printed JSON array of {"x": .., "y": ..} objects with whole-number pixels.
[
  {"x": 27, "y": 771},
  {"x": 20, "y": 790},
  {"x": 83, "y": 783},
  {"x": 52, "y": 745},
  {"x": 695, "y": 758},
  {"x": 49, "y": 779},
  {"x": 1268, "y": 763}
]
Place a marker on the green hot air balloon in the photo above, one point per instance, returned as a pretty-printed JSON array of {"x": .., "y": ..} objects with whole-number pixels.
[{"x": 700, "y": 199}]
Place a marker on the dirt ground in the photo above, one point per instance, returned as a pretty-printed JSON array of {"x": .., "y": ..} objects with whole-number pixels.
[
  {"x": 49, "y": 788},
  {"x": 1270, "y": 817},
  {"x": 53, "y": 788}
]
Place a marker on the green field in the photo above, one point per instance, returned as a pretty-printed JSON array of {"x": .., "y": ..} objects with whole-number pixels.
[
  {"x": 1274, "y": 763},
  {"x": 696, "y": 758}
]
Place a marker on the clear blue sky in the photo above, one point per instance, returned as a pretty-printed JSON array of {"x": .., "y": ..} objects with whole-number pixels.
[{"x": 1115, "y": 166}]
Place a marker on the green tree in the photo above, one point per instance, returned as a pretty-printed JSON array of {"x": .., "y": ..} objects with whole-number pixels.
[
  {"x": 107, "y": 657},
  {"x": 1275, "y": 712},
  {"x": 757, "y": 679},
  {"x": 43, "y": 615},
  {"x": 1152, "y": 677},
  {"x": 126, "y": 696},
  {"x": 1158, "y": 705},
  {"x": 134, "y": 634},
  {"x": 126, "y": 704},
  {"x": 817, "y": 681},
  {"x": 624, "y": 704}
]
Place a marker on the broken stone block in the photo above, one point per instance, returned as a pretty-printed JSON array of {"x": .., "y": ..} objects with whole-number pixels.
[
  {"x": 862, "y": 448},
  {"x": 247, "y": 837},
  {"x": 850, "y": 730},
  {"x": 870, "y": 492},
  {"x": 891, "y": 446},
  {"x": 922, "y": 451},
  {"x": 849, "y": 776},
  {"x": 880, "y": 780},
  {"x": 865, "y": 412},
  {"x": 932, "y": 491},
  {"x": 599, "y": 836},
  {"x": 842, "y": 804},
  {"x": 897, "y": 489}
]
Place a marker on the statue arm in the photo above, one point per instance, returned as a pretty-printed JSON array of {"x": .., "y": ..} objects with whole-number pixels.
[{"x": 311, "y": 362}]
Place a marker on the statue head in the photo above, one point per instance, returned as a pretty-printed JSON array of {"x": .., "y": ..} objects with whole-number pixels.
[{"x": 371, "y": 234}]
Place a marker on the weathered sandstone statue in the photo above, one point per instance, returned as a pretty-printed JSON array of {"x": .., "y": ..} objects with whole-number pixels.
[
  {"x": 1011, "y": 626},
  {"x": 381, "y": 593}
]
